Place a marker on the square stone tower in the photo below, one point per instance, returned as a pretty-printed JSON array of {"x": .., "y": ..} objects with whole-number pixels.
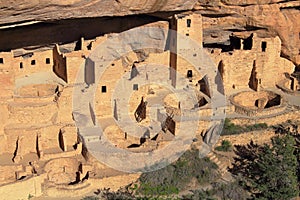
[{"x": 185, "y": 37}]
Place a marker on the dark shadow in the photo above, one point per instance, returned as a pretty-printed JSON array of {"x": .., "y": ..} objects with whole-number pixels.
[
  {"x": 93, "y": 116},
  {"x": 155, "y": 137},
  {"x": 225, "y": 48},
  {"x": 235, "y": 42},
  {"x": 77, "y": 180},
  {"x": 273, "y": 102},
  {"x": 248, "y": 42},
  {"x": 204, "y": 85},
  {"x": 68, "y": 30},
  {"x": 134, "y": 146},
  {"x": 89, "y": 71},
  {"x": 86, "y": 177},
  {"x": 61, "y": 140}
]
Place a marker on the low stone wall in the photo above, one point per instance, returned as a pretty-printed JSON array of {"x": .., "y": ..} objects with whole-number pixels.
[
  {"x": 69, "y": 190},
  {"x": 8, "y": 173},
  {"x": 32, "y": 113},
  {"x": 22, "y": 189},
  {"x": 38, "y": 90},
  {"x": 273, "y": 120},
  {"x": 31, "y": 100},
  {"x": 259, "y": 137},
  {"x": 50, "y": 156},
  {"x": 114, "y": 183}
]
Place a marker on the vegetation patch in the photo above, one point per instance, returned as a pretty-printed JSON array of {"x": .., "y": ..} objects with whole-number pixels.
[
  {"x": 175, "y": 177},
  {"x": 232, "y": 129},
  {"x": 269, "y": 171},
  {"x": 225, "y": 146}
]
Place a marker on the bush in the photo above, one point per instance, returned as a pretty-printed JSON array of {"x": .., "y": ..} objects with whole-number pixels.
[
  {"x": 225, "y": 146},
  {"x": 175, "y": 177}
]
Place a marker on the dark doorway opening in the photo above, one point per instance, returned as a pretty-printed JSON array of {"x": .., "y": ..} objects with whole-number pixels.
[
  {"x": 189, "y": 74},
  {"x": 221, "y": 69},
  {"x": 188, "y": 22},
  {"x": 78, "y": 45},
  {"x": 103, "y": 89},
  {"x": 263, "y": 46},
  {"x": 248, "y": 42},
  {"x": 235, "y": 42}
]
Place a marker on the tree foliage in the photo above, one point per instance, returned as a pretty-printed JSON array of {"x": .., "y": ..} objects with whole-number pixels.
[{"x": 269, "y": 171}]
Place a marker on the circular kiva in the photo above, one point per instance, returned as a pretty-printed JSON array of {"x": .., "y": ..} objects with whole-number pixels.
[
  {"x": 114, "y": 48},
  {"x": 258, "y": 103}
]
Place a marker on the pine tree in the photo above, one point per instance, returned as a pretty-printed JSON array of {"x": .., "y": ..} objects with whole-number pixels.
[{"x": 269, "y": 171}]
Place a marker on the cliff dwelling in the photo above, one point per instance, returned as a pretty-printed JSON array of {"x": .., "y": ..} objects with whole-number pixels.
[{"x": 43, "y": 146}]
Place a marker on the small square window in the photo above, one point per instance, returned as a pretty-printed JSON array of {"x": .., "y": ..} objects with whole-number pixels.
[
  {"x": 33, "y": 62},
  {"x": 135, "y": 87},
  {"x": 187, "y": 34},
  {"x": 103, "y": 89},
  {"x": 21, "y": 65},
  {"x": 47, "y": 60},
  {"x": 1, "y": 61}
]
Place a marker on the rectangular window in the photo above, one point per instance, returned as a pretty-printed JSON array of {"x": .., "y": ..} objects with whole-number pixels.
[
  {"x": 135, "y": 87},
  {"x": 33, "y": 62},
  {"x": 263, "y": 46},
  {"x": 188, "y": 22},
  {"x": 103, "y": 89},
  {"x": 47, "y": 60},
  {"x": 187, "y": 34},
  {"x": 1, "y": 61},
  {"x": 190, "y": 74},
  {"x": 21, "y": 65}
]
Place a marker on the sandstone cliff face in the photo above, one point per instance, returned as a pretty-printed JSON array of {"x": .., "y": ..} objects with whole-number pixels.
[
  {"x": 221, "y": 17},
  {"x": 270, "y": 17},
  {"x": 13, "y": 11}
]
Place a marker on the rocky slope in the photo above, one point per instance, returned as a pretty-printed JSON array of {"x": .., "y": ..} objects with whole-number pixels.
[{"x": 221, "y": 17}]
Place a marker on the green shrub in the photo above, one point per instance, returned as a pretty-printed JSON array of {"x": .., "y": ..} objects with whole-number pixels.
[
  {"x": 225, "y": 146},
  {"x": 176, "y": 176}
]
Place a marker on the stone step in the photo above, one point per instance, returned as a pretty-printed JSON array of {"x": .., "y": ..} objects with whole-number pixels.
[
  {"x": 218, "y": 163},
  {"x": 222, "y": 167},
  {"x": 210, "y": 154}
]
